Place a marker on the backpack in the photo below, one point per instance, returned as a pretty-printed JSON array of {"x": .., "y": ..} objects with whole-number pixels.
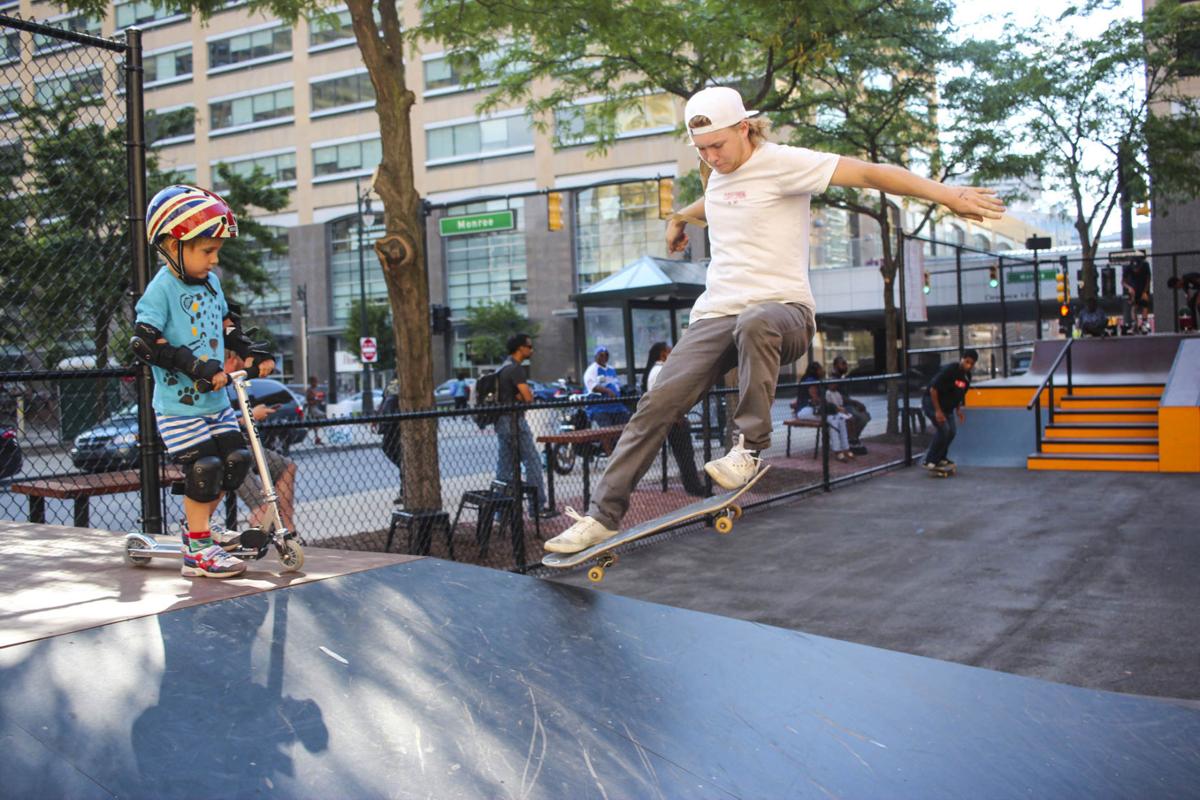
[{"x": 487, "y": 394}]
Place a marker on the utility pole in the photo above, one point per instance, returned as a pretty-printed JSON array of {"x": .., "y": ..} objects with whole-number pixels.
[
  {"x": 363, "y": 198},
  {"x": 302, "y": 296}
]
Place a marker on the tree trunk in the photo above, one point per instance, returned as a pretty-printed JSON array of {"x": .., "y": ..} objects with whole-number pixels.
[
  {"x": 1087, "y": 251},
  {"x": 402, "y": 250},
  {"x": 887, "y": 268}
]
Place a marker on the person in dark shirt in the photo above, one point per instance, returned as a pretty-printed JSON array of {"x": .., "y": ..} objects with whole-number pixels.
[
  {"x": 942, "y": 402},
  {"x": 513, "y": 436},
  {"x": 1092, "y": 319},
  {"x": 1189, "y": 282},
  {"x": 1136, "y": 282}
]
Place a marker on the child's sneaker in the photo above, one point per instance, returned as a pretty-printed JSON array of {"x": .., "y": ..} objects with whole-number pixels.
[
  {"x": 585, "y": 532},
  {"x": 211, "y": 562},
  {"x": 227, "y": 539},
  {"x": 734, "y": 469}
]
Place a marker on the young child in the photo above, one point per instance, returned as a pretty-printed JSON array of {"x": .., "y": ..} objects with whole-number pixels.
[{"x": 183, "y": 326}]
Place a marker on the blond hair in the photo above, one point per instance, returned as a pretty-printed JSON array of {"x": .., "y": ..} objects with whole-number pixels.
[{"x": 757, "y": 127}]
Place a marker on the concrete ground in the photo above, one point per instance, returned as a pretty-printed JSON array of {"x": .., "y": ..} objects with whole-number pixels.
[{"x": 1089, "y": 579}]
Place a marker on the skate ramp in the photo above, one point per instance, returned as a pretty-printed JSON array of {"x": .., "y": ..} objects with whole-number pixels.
[{"x": 435, "y": 679}]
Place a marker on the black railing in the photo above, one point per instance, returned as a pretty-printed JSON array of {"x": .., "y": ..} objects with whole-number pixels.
[{"x": 1048, "y": 383}]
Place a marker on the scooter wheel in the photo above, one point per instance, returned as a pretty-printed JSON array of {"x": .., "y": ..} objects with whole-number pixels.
[
  {"x": 132, "y": 544},
  {"x": 292, "y": 556}
]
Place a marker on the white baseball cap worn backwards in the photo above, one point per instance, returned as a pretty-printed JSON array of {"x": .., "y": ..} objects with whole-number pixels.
[{"x": 722, "y": 105}]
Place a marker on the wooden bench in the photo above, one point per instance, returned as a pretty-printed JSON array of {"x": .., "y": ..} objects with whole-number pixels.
[
  {"x": 82, "y": 488},
  {"x": 805, "y": 422}
]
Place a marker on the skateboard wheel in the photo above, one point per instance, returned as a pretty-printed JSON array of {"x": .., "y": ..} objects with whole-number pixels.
[
  {"x": 130, "y": 558},
  {"x": 736, "y": 510},
  {"x": 724, "y": 524},
  {"x": 291, "y": 556},
  {"x": 596, "y": 574}
]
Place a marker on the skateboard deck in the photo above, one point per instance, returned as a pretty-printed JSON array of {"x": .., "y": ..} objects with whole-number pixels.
[{"x": 723, "y": 507}]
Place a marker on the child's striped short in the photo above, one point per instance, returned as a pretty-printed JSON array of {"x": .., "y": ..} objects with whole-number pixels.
[{"x": 180, "y": 433}]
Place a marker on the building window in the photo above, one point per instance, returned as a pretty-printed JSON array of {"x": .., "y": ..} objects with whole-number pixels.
[
  {"x": 169, "y": 67},
  {"x": 1188, "y": 50},
  {"x": 9, "y": 97},
  {"x": 85, "y": 82},
  {"x": 144, "y": 14},
  {"x": 170, "y": 126},
  {"x": 273, "y": 308},
  {"x": 831, "y": 246},
  {"x": 343, "y": 266},
  {"x": 76, "y": 23},
  {"x": 466, "y": 141},
  {"x": 487, "y": 267},
  {"x": 252, "y": 47},
  {"x": 279, "y": 167},
  {"x": 346, "y": 159},
  {"x": 251, "y": 111},
  {"x": 442, "y": 78},
  {"x": 615, "y": 225},
  {"x": 342, "y": 93},
  {"x": 579, "y": 124},
  {"x": 981, "y": 242}
]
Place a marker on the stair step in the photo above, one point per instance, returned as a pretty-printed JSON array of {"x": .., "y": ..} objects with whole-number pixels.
[
  {"x": 1144, "y": 402},
  {"x": 1155, "y": 389},
  {"x": 1100, "y": 446},
  {"x": 1109, "y": 430},
  {"x": 1072, "y": 415},
  {"x": 1093, "y": 462}
]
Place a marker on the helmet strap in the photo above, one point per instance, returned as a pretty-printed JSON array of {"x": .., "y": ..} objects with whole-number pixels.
[{"x": 176, "y": 265}]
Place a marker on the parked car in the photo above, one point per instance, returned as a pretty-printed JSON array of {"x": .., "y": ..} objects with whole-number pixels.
[
  {"x": 545, "y": 391},
  {"x": 352, "y": 405},
  {"x": 443, "y": 394},
  {"x": 1019, "y": 361},
  {"x": 113, "y": 444}
]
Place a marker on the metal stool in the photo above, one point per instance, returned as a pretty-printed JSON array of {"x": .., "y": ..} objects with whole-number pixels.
[
  {"x": 423, "y": 522},
  {"x": 490, "y": 506}
]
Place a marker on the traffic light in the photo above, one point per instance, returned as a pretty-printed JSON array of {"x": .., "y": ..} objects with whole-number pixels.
[
  {"x": 993, "y": 276},
  {"x": 439, "y": 318},
  {"x": 1064, "y": 291},
  {"x": 554, "y": 218},
  {"x": 1066, "y": 321},
  {"x": 926, "y": 288},
  {"x": 666, "y": 197},
  {"x": 1108, "y": 281}
]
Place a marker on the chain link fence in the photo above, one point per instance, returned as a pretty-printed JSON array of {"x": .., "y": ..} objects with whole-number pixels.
[{"x": 65, "y": 302}]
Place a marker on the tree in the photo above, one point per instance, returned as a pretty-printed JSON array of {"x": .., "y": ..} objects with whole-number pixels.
[
  {"x": 489, "y": 326},
  {"x": 379, "y": 325},
  {"x": 381, "y": 41},
  {"x": 1086, "y": 110},
  {"x": 856, "y": 77}
]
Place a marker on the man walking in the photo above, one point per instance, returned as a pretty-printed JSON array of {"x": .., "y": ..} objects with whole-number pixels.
[
  {"x": 513, "y": 436},
  {"x": 943, "y": 401},
  {"x": 757, "y": 308}
]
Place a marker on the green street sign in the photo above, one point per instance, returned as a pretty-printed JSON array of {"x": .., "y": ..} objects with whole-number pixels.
[
  {"x": 478, "y": 223},
  {"x": 1026, "y": 276}
]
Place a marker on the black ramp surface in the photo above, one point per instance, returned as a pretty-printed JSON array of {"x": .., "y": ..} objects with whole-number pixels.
[{"x": 432, "y": 679}]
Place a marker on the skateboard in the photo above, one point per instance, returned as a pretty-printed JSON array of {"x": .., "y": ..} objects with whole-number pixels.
[
  {"x": 721, "y": 508},
  {"x": 943, "y": 472}
]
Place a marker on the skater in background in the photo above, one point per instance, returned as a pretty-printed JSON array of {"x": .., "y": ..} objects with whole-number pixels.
[
  {"x": 757, "y": 309},
  {"x": 184, "y": 325},
  {"x": 942, "y": 402},
  {"x": 679, "y": 438},
  {"x": 1135, "y": 280}
]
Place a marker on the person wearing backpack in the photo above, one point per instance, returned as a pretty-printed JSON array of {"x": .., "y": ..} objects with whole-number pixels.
[{"x": 513, "y": 436}]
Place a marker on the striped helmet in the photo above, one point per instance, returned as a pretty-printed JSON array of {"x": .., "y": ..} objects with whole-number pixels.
[{"x": 189, "y": 212}]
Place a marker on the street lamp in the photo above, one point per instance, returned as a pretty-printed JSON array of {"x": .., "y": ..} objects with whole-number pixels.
[{"x": 363, "y": 202}]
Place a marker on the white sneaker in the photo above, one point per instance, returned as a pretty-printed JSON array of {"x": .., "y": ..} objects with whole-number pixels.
[
  {"x": 734, "y": 469},
  {"x": 585, "y": 532}
]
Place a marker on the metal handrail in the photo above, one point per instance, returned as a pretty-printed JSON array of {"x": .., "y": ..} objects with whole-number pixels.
[{"x": 1048, "y": 382}]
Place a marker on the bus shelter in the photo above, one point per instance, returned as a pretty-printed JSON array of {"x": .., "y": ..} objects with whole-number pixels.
[{"x": 635, "y": 307}]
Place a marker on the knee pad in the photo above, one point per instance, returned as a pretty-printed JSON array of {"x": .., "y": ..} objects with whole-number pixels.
[
  {"x": 235, "y": 459},
  {"x": 202, "y": 479}
]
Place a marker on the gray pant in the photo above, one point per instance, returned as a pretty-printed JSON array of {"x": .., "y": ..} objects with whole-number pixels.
[{"x": 756, "y": 342}]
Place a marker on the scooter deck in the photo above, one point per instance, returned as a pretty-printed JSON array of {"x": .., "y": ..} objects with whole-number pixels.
[{"x": 708, "y": 506}]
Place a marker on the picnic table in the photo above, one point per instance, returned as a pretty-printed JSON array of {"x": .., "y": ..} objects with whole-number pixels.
[
  {"x": 582, "y": 439},
  {"x": 82, "y": 488}
]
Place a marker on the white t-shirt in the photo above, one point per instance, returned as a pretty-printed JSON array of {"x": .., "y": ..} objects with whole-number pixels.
[
  {"x": 758, "y": 222},
  {"x": 652, "y": 375}
]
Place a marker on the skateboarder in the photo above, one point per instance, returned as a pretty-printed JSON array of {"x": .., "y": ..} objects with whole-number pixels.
[
  {"x": 942, "y": 402},
  {"x": 757, "y": 309}
]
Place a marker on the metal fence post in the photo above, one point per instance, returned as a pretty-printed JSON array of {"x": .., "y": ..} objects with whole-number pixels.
[
  {"x": 906, "y": 427},
  {"x": 824, "y": 429},
  {"x": 1003, "y": 317}
]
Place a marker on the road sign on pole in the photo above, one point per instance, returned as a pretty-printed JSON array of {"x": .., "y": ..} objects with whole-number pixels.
[{"x": 366, "y": 346}]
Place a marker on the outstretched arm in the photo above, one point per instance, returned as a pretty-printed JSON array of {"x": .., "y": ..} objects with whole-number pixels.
[{"x": 971, "y": 202}]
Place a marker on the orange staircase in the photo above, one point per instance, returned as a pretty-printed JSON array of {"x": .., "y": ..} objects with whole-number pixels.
[{"x": 1106, "y": 428}]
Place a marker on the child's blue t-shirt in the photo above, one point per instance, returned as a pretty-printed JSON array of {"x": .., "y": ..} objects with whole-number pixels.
[{"x": 192, "y": 317}]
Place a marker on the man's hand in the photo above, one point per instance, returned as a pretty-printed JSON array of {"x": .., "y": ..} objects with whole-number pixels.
[
  {"x": 677, "y": 238},
  {"x": 939, "y": 417},
  {"x": 265, "y": 368},
  {"x": 975, "y": 203},
  {"x": 962, "y": 416},
  {"x": 262, "y": 411}
]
